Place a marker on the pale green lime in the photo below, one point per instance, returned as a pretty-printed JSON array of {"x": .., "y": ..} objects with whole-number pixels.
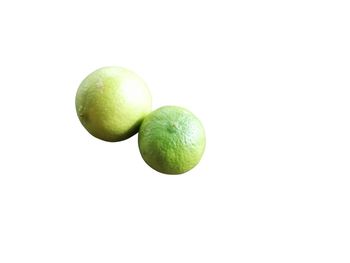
[
  {"x": 111, "y": 103},
  {"x": 171, "y": 140}
]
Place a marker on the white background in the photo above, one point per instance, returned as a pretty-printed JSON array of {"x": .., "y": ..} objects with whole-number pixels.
[{"x": 270, "y": 82}]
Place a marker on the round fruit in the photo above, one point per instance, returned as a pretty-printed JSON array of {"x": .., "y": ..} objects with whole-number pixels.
[
  {"x": 171, "y": 140},
  {"x": 111, "y": 103}
]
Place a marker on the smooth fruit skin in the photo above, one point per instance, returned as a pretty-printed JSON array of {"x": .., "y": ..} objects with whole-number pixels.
[
  {"x": 111, "y": 103},
  {"x": 171, "y": 140}
]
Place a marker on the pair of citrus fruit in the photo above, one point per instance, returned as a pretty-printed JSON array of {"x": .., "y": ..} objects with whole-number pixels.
[{"x": 114, "y": 103}]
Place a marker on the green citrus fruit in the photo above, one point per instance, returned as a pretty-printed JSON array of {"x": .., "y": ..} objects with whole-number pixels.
[
  {"x": 111, "y": 103},
  {"x": 171, "y": 140}
]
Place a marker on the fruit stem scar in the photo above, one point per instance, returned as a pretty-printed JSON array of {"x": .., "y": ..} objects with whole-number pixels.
[{"x": 172, "y": 127}]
